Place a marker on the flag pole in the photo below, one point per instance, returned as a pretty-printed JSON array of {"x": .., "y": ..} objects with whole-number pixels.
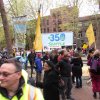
[
  {"x": 95, "y": 45},
  {"x": 41, "y": 7},
  {"x": 95, "y": 42}
]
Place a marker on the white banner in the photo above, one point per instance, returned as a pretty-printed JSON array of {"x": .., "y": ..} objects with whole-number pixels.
[{"x": 56, "y": 40}]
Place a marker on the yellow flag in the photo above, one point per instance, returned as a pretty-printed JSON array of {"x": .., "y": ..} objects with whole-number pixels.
[
  {"x": 38, "y": 37},
  {"x": 90, "y": 35}
]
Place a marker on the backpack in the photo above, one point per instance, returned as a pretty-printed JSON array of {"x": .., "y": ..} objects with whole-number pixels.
[
  {"x": 89, "y": 62},
  {"x": 95, "y": 64},
  {"x": 98, "y": 65}
]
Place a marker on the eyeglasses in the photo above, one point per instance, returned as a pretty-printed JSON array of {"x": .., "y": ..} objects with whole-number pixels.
[{"x": 5, "y": 74}]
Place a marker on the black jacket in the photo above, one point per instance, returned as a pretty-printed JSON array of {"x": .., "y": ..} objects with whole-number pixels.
[
  {"x": 54, "y": 59},
  {"x": 50, "y": 85},
  {"x": 64, "y": 68},
  {"x": 31, "y": 58},
  {"x": 77, "y": 66}
]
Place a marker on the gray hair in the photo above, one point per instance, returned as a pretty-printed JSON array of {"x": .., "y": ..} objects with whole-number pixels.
[{"x": 15, "y": 62}]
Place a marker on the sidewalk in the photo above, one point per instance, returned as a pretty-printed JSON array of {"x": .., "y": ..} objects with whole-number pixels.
[{"x": 84, "y": 93}]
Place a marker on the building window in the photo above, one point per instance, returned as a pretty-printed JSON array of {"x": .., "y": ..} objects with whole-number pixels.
[
  {"x": 47, "y": 22},
  {"x": 48, "y": 30},
  {"x": 59, "y": 29},
  {"x": 43, "y": 21},
  {"x": 59, "y": 21},
  {"x": 54, "y": 22},
  {"x": 54, "y": 29},
  {"x": 44, "y": 30}
]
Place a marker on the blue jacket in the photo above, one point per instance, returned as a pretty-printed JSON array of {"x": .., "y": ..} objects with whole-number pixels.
[{"x": 38, "y": 64}]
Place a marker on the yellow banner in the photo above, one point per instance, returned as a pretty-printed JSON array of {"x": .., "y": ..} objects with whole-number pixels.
[
  {"x": 90, "y": 35},
  {"x": 38, "y": 37}
]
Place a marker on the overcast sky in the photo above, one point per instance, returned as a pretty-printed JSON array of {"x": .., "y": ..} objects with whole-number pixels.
[
  {"x": 88, "y": 8},
  {"x": 85, "y": 8}
]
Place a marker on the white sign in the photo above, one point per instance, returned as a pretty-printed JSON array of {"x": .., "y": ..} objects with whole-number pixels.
[{"x": 56, "y": 40}]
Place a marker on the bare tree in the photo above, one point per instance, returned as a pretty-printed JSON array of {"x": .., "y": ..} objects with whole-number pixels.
[
  {"x": 98, "y": 28},
  {"x": 97, "y": 21},
  {"x": 6, "y": 27},
  {"x": 72, "y": 14}
]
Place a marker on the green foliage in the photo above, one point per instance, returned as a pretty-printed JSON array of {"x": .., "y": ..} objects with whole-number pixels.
[
  {"x": 30, "y": 34},
  {"x": 1, "y": 34},
  {"x": 17, "y": 7},
  {"x": 2, "y": 38},
  {"x": 72, "y": 19},
  {"x": 31, "y": 28}
]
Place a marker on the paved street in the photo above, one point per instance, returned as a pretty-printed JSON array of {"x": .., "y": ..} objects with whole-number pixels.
[{"x": 84, "y": 93}]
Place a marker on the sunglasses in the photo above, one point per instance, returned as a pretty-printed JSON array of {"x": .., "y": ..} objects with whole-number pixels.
[{"x": 4, "y": 74}]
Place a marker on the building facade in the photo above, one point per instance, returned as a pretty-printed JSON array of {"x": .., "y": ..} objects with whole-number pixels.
[{"x": 60, "y": 16}]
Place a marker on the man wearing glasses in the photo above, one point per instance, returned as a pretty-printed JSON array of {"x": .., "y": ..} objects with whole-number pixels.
[{"x": 13, "y": 85}]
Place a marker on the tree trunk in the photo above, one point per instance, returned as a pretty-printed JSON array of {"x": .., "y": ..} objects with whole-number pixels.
[
  {"x": 6, "y": 27},
  {"x": 99, "y": 5},
  {"x": 98, "y": 38},
  {"x": 98, "y": 33}
]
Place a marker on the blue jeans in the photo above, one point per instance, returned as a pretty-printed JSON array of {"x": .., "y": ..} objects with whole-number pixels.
[{"x": 78, "y": 81}]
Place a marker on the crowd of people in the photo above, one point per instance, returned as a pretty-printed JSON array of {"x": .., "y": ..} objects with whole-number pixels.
[
  {"x": 65, "y": 65},
  {"x": 94, "y": 63}
]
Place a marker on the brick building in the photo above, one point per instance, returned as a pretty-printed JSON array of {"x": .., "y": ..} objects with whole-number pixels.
[{"x": 58, "y": 17}]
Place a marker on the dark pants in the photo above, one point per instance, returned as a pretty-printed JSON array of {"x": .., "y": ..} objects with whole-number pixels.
[
  {"x": 78, "y": 81},
  {"x": 32, "y": 70},
  {"x": 32, "y": 66},
  {"x": 68, "y": 86},
  {"x": 26, "y": 63},
  {"x": 73, "y": 79},
  {"x": 38, "y": 77}
]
